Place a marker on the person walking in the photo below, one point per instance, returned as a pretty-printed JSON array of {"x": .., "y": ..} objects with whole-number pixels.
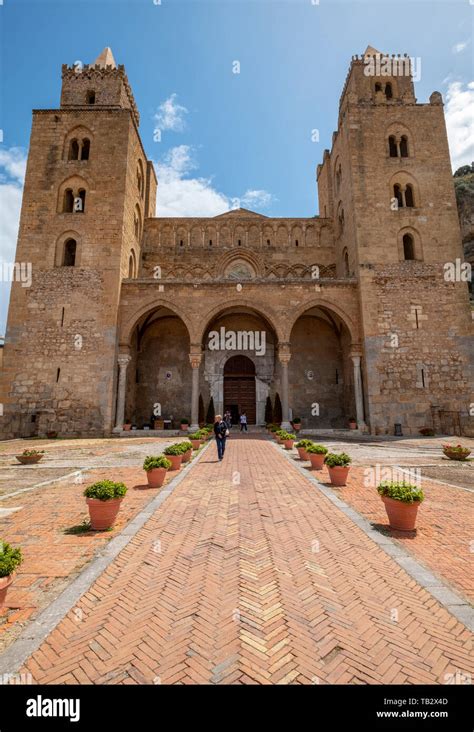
[
  {"x": 243, "y": 422},
  {"x": 228, "y": 419},
  {"x": 220, "y": 432}
]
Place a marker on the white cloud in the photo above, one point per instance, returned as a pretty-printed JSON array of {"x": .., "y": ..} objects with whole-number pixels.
[
  {"x": 180, "y": 194},
  {"x": 459, "y": 111},
  {"x": 12, "y": 172},
  {"x": 170, "y": 115},
  {"x": 460, "y": 47}
]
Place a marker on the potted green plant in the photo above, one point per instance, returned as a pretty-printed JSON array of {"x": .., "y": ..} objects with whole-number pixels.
[
  {"x": 103, "y": 500},
  {"x": 187, "y": 447},
  {"x": 456, "y": 452},
  {"x": 401, "y": 502},
  {"x": 51, "y": 434},
  {"x": 338, "y": 467},
  {"x": 352, "y": 423},
  {"x": 30, "y": 457},
  {"x": 279, "y": 434},
  {"x": 127, "y": 425},
  {"x": 174, "y": 453},
  {"x": 288, "y": 440},
  {"x": 302, "y": 446},
  {"x": 184, "y": 424},
  {"x": 316, "y": 454},
  {"x": 296, "y": 423},
  {"x": 427, "y": 432},
  {"x": 10, "y": 559},
  {"x": 196, "y": 440},
  {"x": 156, "y": 468}
]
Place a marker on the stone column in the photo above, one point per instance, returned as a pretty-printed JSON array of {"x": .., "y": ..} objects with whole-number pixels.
[
  {"x": 359, "y": 399},
  {"x": 123, "y": 361},
  {"x": 284, "y": 356},
  {"x": 195, "y": 358}
]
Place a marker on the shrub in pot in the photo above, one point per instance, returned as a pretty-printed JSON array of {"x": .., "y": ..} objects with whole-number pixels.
[
  {"x": 288, "y": 440},
  {"x": 51, "y": 435},
  {"x": 156, "y": 468},
  {"x": 103, "y": 500},
  {"x": 352, "y": 423},
  {"x": 127, "y": 425},
  {"x": 279, "y": 434},
  {"x": 184, "y": 424},
  {"x": 174, "y": 453},
  {"x": 196, "y": 440},
  {"x": 427, "y": 432},
  {"x": 10, "y": 559},
  {"x": 302, "y": 446},
  {"x": 296, "y": 423},
  {"x": 456, "y": 452},
  {"x": 338, "y": 467},
  {"x": 401, "y": 504},
  {"x": 30, "y": 457},
  {"x": 316, "y": 454},
  {"x": 187, "y": 450}
]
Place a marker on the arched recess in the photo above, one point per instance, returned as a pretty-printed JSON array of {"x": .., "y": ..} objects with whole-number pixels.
[
  {"x": 60, "y": 248},
  {"x": 132, "y": 265},
  {"x": 133, "y": 320},
  {"x": 241, "y": 305},
  {"x": 417, "y": 245},
  {"x": 336, "y": 312},
  {"x": 140, "y": 179},
  {"x": 254, "y": 262},
  {"x": 159, "y": 380},
  {"x": 320, "y": 371}
]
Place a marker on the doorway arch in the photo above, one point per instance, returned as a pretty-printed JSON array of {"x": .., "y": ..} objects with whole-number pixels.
[{"x": 239, "y": 388}]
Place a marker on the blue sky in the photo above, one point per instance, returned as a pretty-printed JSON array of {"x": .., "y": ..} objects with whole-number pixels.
[{"x": 226, "y": 138}]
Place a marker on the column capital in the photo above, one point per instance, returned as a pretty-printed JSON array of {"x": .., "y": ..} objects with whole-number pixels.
[
  {"x": 195, "y": 359},
  {"x": 123, "y": 359},
  {"x": 284, "y": 353}
]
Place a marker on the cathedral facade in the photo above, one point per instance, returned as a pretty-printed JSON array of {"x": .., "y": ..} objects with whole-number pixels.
[{"x": 136, "y": 319}]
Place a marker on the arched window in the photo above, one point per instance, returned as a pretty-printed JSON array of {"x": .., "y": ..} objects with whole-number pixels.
[
  {"x": 378, "y": 86},
  {"x": 69, "y": 257},
  {"x": 392, "y": 144},
  {"x": 388, "y": 91},
  {"x": 404, "y": 146},
  {"x": 397, "y": 193},
  {"x": 409, "y": 199},
  {"x": 346, "y": 264},
  {"x": 80, "y": 201},
  {"x": 73, "y": 150},
  {"x": 132, "y": 265},
  {"x": 140, "y": 179},
  {"x": 408, "y": 247},
  {"x": 137, "y": 223},
  {"x": 86, "y": 146},
  {"x": 90, "y": 96},
  {"x": 68, "y": 203}
]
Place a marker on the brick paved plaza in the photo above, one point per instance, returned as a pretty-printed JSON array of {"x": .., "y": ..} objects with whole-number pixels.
[{"x": 248, "y": 572}]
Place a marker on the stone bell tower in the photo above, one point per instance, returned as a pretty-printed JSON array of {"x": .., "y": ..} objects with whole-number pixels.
[{"x": 88, "y": 189}]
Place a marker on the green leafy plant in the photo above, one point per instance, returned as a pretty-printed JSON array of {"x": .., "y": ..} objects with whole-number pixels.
[
  {"x": 105, "y": 490},
  {"x": 159, "y": 461},
  {"x": 280, "y": 433},
  {"x": 404, "y": 492},
  {"x": 211, "y": 412},
  {"x": 268, "y": 411},
  {"x": 32, "y": 453},
  {"x": 458, "y": 451},
  {"x": 304, "y": 443},
  {"x": 296, "y": 420},
  {"x": 277, "y": 410},
  {"x": 337, "y": 459},
  {"x": 10, "y": 559},
  {"x": 176, "y": 449},
  {"x": 196, "y": 436},
  {"x": 184, "y": 421},
  {"x": 316, "y": 449},
  {"x": 274, "y": 428},
  {"x": 186, "y": 445},
  {"x": 289, "y": 436}
]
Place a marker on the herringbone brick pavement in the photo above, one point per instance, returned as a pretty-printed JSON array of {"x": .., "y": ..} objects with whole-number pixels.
[{"x": 248, "y": 574}]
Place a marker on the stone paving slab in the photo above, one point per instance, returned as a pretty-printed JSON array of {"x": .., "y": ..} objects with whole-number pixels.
[{"x": 249, "y": 574}]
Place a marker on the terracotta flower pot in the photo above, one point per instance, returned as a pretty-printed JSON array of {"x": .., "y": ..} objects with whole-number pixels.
[
  {"x": 452, "y": 455},
  {"x": 29, "y": 459},
  {"x": 156, "y": 477},
  {"x": 401, "y": 516},
  {"x": 183, "y": 426},
  {"x": 196, "y": 444},
  {"x": 338, "y": 475},
  {"x": 187, "y": 456},
  {"x": 175, "y": 461},
  {"x": 103, "y": 513},
  {"x": 352, "y": 425},
  {"x": 317, "y": 461},
  {"x": 302, "y": 453},
  {"x": 5, "y": 583},
  {"x": 288, "y": 444},
  {"x": 127, "y": 427},
  {"x": 51, "y": 435},
  {"x": 297, "y": 426}
]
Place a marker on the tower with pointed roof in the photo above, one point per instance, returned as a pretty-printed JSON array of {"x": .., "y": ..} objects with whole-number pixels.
[{"x": 88, "y": 190}]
